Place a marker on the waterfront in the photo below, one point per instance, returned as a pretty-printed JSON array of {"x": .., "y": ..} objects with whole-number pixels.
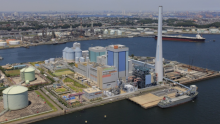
[{"x": 204, "y": 109}]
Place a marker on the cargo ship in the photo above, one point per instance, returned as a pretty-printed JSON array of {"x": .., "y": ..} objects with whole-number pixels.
[
  {"x": 198, "y": 38},
  {"x": 180, "y": 98}
]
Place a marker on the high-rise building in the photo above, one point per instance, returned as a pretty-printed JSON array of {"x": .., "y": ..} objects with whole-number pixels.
[
  {"x": 94, "y": 52},
  {"x": 117, "y": 55},
  {"x": 159, "y": 52}
]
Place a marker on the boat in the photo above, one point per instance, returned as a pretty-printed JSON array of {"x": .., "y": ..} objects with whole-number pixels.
[
  {"x": 59, "y": 43},
  {"x": 198, "y": 38},
  {"x": 130, "y": 36},
  {"x": 179, "y": 98}
]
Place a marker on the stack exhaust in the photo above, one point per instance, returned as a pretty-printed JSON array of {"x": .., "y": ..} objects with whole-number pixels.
[{"x": 159, "y": 52}]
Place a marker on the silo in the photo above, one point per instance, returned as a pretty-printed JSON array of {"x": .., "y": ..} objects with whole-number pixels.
[
  {"x": 78, "y": 52},
  {"x": 76, "y": 59},
  {"x": 75, "y": 45},
  {"x": 70, "y": 54},
  {"x": 27, "y": 74},
  {"x": 82, "y": 59},
  {"x": 96, "y": 51},
  {"x": 64, "y": 53},
  {"x": 15, "y": 97}
]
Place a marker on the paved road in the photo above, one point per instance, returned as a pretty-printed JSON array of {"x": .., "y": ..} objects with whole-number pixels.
[{"x": 40, "y": 117}]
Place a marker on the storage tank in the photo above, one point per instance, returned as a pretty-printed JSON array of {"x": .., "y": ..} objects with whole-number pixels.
[
  {"x": 105, "y": 31},
  {"x": 82, "y": 59},
  {"x": 119, "y": 32},
  {"x": 3, "y": 43},
  {"x": 9, "y": 40},
  {"x": 112, "y": 32},
  {"x": 64, "y": 53},
  {"x": 14, "y": 42},
  {"x": 46, "y": 61},
  {"x": 15, "y": 97},
  {"x": 76, "y": 59},
  {"x": 70, "y": 54},
  {"x": 27, "y": 74},
  {"x": 78, "y": 52},
  {"x": 52, "y": 60},
  {"x": 75, "y": 45},
  {"x": 87, "y": 59}
]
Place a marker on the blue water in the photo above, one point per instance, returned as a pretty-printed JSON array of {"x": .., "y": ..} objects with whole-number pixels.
[{"x": 204, "y": 110}]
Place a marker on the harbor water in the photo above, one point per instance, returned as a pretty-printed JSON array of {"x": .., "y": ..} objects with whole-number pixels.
[{"x": 205, "y": 109}]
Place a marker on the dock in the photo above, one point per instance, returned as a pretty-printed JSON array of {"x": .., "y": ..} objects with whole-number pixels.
[{"x": 152, "y": 99}]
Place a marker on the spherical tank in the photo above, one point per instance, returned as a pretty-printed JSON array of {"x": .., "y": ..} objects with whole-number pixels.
[
  {"x": 27, "y": 74},
  {"x": 15, "y": 97},
  {"x": 64, "y": 52},
  {"x": 70, "y": 54},
  {"x": 78, "y": 52},
  {"x": 3, "y": 43}
]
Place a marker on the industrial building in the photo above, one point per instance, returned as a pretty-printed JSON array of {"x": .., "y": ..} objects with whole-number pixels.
[
  {"x": 103, "y": 76},
  {"x": 94, "y": 52},
  {"x": 70, "y": 54},
  {"x": 92, "y": 93},
  {"x": 27, "y": 74},
  {"x": 117, "y": 55},
  {"x": 15, "y": 97}
]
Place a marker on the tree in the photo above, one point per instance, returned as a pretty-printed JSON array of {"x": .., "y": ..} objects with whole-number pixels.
[{"x": 132, "y": 55}]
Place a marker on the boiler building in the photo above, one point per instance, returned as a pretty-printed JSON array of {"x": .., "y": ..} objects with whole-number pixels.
[{"x": 94, "y": 52}]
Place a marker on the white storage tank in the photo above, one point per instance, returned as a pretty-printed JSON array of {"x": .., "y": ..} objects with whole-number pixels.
[
  {"x": 78, "y": 52},
  {"x": 70, "y": 54},
  {"x": 14, "y": 42},
  {"x": 64, "y": 53},
  {"x": 46, "y": 61},
  {"x": 119, "y": 32},
  {"x": 75, "y": 45},
  {"x": 15, "y": 97},
  {"x": 82, "y": 59},
  {"x": 52, "y": 60},
  {"x": 105, "y": 31},
  {"x": 76, "y": 59},
  {"x": 112, "y": 32},
  {"x": 3, "y": 43}
]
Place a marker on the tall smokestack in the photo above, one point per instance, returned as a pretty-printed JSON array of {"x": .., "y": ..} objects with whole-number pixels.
[{"x": 159, "y": 53}]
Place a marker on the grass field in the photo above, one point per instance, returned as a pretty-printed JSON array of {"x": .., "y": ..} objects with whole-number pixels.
[
  {"x": 62, "y": 72},
  {"x": 13, "y": 72},
  {"x": 60, "y": 90},
  {"x": 74, "y": 83},
  {"x": 74, "y": 88},
  {"x": 42, "y": 97}
]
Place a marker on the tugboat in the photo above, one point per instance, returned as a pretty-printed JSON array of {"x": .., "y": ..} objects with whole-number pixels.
[{"x": 180, "y": 98}]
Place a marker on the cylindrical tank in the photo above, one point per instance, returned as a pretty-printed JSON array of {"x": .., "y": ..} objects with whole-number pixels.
[
  {"x": 87, "y": 58},
  {"x": 27, "y": 74},
  {"x": 75, "y": 45},
  {"x": 14, "y": 42},
  {"x": 15, "y": 97},
  {"x": 64, "y": 53},
  {"x": 112, "y": 32},
  {"x": 119, "y": 32},
  {"x": 3, "y": 43},
  {"x": 46, "y": 61},
  {"x": 76, "y": 59},
  {"x": 105, "y": 31},
  {"x": 52, "y": 60},
  {"x": 82, "y": 59},
  {"x": 78, "y": 52},
  {"x": 70, "y": 54}
]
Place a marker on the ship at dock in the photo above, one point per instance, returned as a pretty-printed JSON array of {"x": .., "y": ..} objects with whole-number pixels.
[
  {"x": 198, "y": 38},
  {"x": 179, "y": 98}
]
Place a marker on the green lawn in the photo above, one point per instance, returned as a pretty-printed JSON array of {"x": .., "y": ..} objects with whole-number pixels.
[
  {"x": 62, "y": 72},
  {"x": 60, "y": 90},
  {"x": 42, "y": 97},
  {"x": 74, "y": 83},
  {"x": 13, "y": 72},
  {"x": 74, "y": 88}
]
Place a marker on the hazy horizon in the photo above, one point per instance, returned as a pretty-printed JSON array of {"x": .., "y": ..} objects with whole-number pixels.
[{"x": 109, "y": 5}]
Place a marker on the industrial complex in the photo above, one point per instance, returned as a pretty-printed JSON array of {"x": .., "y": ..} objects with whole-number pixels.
[{"x": 98, "y": 75}]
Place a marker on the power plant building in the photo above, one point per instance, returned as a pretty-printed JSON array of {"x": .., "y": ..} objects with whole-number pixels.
[
  {"x": 94, "y": 52},
  {"x": 117, "y": 55},
  {"x": 15, "y": 97}
]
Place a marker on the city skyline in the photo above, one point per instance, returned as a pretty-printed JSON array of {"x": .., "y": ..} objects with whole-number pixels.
[{"x": 113, "y": 5}]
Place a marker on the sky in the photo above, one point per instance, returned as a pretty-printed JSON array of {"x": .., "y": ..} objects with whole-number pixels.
[{"x": 109, "y": 5}]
